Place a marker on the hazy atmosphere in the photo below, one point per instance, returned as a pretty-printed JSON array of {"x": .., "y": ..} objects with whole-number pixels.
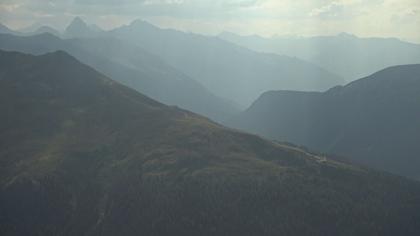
[
  {"x": 365, "y": 18},
  {"x": 204, "y": 118}
]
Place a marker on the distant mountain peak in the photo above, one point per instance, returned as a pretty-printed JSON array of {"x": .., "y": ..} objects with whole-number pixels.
[
  {"x": 77, "y": 23},
  {"x": 229, "y": 34},
  {"x": 5, "y": 29},
  {"x": 46, "y": 36},
  {"x": 78, "y": 20},
  {"x": 2, "y": 26},
  {"x": 142, "y": 23},
  {"x": 346, "y": 35},
  {"x": 47, "y": 29},
  {"x": 78, "y": 28}
]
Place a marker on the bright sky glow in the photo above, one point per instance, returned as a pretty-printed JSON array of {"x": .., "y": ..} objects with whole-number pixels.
[{"x": 366, "y": 18}]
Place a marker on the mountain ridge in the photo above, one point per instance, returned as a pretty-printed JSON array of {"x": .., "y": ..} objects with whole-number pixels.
[
  {"x": 78, "y": 28},
  {"x": 228, "y": 70},
  {"x": 344, "y": 54},
  {"x": 360, "y": 121},
  {"x": 133, "y": 67},
  {"x": 102, "y": 159}
]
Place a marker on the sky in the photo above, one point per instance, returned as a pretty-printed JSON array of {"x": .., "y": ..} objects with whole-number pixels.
[{"x": 364, "y": 18}]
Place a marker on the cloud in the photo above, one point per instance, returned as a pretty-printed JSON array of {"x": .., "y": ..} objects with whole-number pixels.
[
  {"x": 244, "y": 3},
  {"x": 338, "y": 9},
  {"x": 107, "y": 2},
  {"x": 331, "y": 10},
  {"x": 396, "y": 18},
  {"x": 127, "y": 2}
]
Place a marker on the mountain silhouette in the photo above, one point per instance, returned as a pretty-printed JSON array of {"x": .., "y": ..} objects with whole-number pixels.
[
  {"x": 79, "y": 29},
  {"x": 46, "y": 29},
  {"x": 132, "y": 66},
  {"x": 82, "y": 154},
  {"x": 344, "y": 54},
  {"x": 6, "y": 30},
  {"x": 229, "y": 71},
  {"x": 372, "y": 121}
]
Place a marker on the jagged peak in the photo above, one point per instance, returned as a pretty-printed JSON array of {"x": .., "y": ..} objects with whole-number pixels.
[
  {"x": 142, "y": 23},
  {"x": 77, "y": 23}
]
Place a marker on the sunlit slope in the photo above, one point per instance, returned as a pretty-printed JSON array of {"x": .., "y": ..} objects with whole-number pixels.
[{"x": 83, "y": 155}]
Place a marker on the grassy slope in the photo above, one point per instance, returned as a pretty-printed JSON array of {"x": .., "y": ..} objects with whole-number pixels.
[{"x": 82, "y": 155}]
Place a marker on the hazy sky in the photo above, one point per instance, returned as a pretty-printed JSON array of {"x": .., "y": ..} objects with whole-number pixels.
[{"x": 382, "y": 18}]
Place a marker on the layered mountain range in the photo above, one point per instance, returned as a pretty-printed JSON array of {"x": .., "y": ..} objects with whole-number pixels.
[
  {"x": 125, "y": 131},
  {"x": 344, "y": 54},
  {"x": 132, "y": 66},
  {"x": 84, "y": 155},
  {"x": 373, "y": 121}
]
